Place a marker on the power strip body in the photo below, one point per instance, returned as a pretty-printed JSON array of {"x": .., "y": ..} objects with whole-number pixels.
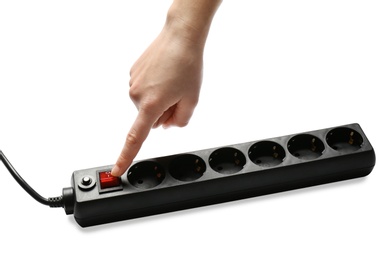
[{"x": 222, "y": 174}]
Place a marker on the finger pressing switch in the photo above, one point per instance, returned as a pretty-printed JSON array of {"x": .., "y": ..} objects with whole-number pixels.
[{"x": 108, "y": 181}]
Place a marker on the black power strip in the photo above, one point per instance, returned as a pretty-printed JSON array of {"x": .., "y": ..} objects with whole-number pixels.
[
  {"x": 222, "y": 174},
  {"x": 215, "y": 175}
]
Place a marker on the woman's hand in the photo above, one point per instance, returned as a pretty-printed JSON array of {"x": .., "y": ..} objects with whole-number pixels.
[{"x": 165, "y": 81}]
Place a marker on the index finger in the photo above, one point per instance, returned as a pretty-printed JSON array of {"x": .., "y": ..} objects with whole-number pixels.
[{"x": 134, "y": 140}]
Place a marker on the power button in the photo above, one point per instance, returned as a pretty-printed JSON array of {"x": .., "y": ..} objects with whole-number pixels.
[{"x": 107, "y": 182}]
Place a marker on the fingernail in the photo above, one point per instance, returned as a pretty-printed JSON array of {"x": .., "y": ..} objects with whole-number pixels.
[{"x": 115, "y": 171}]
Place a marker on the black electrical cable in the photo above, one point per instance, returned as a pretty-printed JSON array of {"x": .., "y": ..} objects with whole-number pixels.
[{"x": 53, "y": 202}]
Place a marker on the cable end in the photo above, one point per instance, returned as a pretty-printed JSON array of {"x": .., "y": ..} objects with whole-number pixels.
[{"x": 68, "y": 200}]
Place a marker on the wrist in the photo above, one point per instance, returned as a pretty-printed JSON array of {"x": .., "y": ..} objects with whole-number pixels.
[{"x": 191, "y": 20}]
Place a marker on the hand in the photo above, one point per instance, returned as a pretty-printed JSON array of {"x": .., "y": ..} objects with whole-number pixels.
[
  {"x": 164, "y": 86},
  {"x": 165, "y": 81}
]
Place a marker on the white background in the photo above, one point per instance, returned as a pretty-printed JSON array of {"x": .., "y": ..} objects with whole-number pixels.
[{"x": 271, "y": 68}]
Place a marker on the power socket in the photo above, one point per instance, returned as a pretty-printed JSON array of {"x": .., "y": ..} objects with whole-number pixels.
[{"x": 221, "y": 174}]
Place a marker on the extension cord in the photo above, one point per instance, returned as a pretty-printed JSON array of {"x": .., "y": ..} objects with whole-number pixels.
[{"x": 214, "y": 175}]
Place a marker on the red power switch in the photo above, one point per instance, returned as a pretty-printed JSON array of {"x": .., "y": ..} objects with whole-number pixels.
[{"x": 107, "y": 180}]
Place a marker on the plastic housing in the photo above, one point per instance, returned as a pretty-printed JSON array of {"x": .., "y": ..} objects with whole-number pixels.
[{"x": 222, "y": 174}]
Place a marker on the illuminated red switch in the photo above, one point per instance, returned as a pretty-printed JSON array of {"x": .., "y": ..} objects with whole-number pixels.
[{"x": 108, "y": 181}]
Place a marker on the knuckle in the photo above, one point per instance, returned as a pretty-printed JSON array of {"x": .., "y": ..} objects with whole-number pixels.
[
  {"x": 131, "y": 82},
  {"x": 193, "y": 102},
  {"x": 133, "y": 92},
  {"x": 182, "y": 123},
  {"x": 132, "y": 138}
]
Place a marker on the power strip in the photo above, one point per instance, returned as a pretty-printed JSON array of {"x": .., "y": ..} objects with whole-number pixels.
[
  {"x": 216, "y": 175},
  {"x": 221, "y": 174}
]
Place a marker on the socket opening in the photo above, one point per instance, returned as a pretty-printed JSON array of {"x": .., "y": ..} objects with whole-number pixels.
[
  {"x": 146, "y": 174},
  {"x": 266, "y": 153},
  {"x": 187, "y": 167},
  {"x": 227, "y": 160},
  {"x": 305, "y": 146},
  {"x": 344, "y": 139}
]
